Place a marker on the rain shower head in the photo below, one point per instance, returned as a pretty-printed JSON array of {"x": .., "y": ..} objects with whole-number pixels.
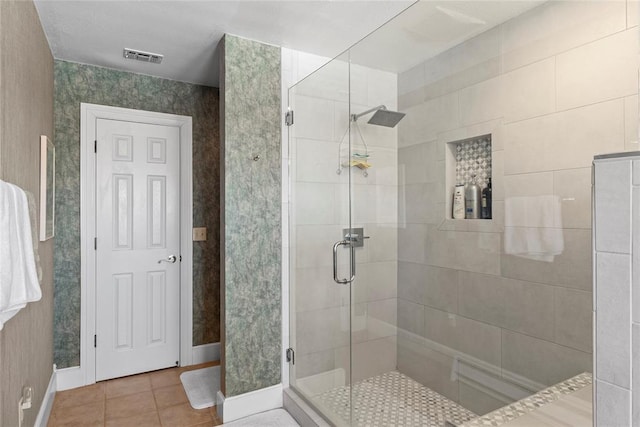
[
  {"x": 386, "y": 118},
  {"x": 381, "y": 117}
]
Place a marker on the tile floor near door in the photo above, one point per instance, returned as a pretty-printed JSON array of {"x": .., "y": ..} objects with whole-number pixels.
[{"x": 151, "y": 399}]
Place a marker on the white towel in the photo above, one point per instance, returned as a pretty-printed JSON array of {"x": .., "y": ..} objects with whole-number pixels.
[
  {"x": 533, "y": 227},
  {"x": 18, "y": 274}
]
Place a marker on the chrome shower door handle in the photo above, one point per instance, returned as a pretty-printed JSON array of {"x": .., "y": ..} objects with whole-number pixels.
[
  {"x": 171, "y": 259},
  {"x": 335, "y": 262}
]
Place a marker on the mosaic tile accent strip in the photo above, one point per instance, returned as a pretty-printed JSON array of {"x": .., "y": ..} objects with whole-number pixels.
[
  {"x": 473, "y": 157},
  {"x": 531, "y": 403},
  {"x": 76, "y": 83},
  {"x": 394, "y": 399}
]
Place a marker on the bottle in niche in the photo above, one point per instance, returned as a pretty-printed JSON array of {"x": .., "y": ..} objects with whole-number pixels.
[
  {"x": 472, "y": 200},
  {"x": 486, "y": 201},
  {"x": 458, "y": 202}
]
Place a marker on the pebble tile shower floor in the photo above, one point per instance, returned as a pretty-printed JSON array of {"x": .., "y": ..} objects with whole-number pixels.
[{"x": 393, "y": 399}]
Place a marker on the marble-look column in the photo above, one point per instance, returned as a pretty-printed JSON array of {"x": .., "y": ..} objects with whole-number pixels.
[{"x": 251, "y": 202}]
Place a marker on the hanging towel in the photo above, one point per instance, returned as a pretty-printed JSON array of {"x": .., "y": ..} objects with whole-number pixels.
[
  {"x": 19, "y": 283},
  {"x": 533, "y": 227}
]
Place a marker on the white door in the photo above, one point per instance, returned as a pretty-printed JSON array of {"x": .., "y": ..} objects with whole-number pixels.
[{"x": 138, "y": 244}]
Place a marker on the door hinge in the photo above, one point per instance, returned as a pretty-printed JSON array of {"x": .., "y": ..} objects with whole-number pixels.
[
  {"x": 288, "y": 118},
  {"x": 95, "y": 341},
  {"x": 291, "y": 356},
  {"x": 95, "y": 243},
  {"x": 95, "y": 146},
  {"x": 180, "y": 258}
]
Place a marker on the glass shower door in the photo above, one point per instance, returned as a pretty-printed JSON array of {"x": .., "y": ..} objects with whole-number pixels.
[{"x": 321, "y": 257}]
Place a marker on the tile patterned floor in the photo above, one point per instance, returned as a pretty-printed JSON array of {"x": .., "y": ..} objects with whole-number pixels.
[
  {"x": 145, "y": 400},
  {"x": 393, "y": 399}
]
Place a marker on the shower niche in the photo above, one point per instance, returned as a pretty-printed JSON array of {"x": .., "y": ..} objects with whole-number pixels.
[{"x": 469, "y": 161}]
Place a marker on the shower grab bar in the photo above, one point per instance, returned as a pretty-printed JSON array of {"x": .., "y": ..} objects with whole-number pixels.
[{"x": 335, "y": 262}]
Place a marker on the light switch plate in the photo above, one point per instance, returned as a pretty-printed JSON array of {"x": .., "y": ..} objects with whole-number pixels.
[{"x": 199, "y": 234}]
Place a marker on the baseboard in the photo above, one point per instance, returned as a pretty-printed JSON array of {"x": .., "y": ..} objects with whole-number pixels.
[
  {"x": 47, "y": 402},
  {"x": 254, "y": 402},
  {"x": 220, "y": 405},
  {"x": 205, "y": 353},
  {"x": 69, "y": 378}
]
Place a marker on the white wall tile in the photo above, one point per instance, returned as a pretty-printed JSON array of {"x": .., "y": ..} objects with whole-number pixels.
[
  {"x": 313, "y": 118},
  {"x": 598, "y": 71},
  {"x": 571, "y": 269},
  {"x": 411, "y": 317},
  {"x": 412, "y": 239},
  {"x": 528, "y": 185},
  {"x": 541, "y": 361},
  {"x": 573, "y": 187},
  {"x": 613, "y": 318},
  {"x": 483, "y": 101},
  {"x": 417, "y": 163},
  {"x": 613, "y": 405},
  {"x": 477, "y": 401},
  {"x": 564, "y": 140},
  {"x": 573, "y": 318},
  {"x": 382, "y": 318},
  {"x": 383, "y": 242},
  {"x": 313, "y": 244},
  {"x": 382, "y": 88},
  {"x": 423, "y": 122},
  {"x": 316, "y": 161},
  {"x": 635, "y": 249},
  {"x": 320, "y": 330},
  {"x": 314, "y": 203},
  {"x": 358, "y": 84},
  {"x": 613, "y": 206},
  {"x": 379, "y": 279},
  {"x": 364, "y": 366},
  {"x": 530, "y": 91},
  {"x": 468, "y": 251},
  {"x": 635, "y": 381},
  {"x": 632, "y": 13},
  {"x": 315, "y": 289},
  {"x": 329, "y": 82},
  {"x": 631, "y": 118},
  {"x": 468, "y": 337},
  {"x": 412, "y": 79},
  {"x": 308, "y": 63},
  {"x": 544, "y": 31}
]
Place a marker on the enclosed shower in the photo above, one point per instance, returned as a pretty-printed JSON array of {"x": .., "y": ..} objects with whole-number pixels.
[{"x": 401, "y": 314}]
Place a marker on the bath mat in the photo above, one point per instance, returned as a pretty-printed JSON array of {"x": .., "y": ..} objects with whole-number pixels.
[
  {"x": 201, "y": 386},
  {"x": 274, "y": 418}
]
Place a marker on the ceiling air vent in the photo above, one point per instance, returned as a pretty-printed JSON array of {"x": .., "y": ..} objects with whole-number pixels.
[{"x": 142, "y": 56}]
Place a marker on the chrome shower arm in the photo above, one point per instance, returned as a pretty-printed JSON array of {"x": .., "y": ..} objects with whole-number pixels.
[{"x": 355, "y": 117}]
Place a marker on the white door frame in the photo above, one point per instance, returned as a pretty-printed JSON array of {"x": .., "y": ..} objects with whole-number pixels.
[{"x": 89, "y": 114}]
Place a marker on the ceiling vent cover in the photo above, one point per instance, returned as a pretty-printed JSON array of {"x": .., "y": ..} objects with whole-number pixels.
[{"x": 142, "y": 56}]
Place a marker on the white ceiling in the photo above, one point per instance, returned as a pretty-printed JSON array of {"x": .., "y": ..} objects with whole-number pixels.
[{"x": 187, "y": 32}]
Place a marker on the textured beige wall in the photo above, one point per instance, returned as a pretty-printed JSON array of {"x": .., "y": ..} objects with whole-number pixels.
[{"x": 26, "y": 112}]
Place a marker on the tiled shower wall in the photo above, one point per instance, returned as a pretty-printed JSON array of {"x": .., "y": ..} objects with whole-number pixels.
[
  {"x": 552, "y": 95},
  {"x": 320, "y": 198},
  {"x": 76, "y": 83},
  {"x": 617, "y": 312}
]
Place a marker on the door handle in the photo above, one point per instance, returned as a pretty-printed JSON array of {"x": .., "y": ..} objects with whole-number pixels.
[
  {"x": 170, "y": 259},
  {"x": 335, "y": 262}
]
